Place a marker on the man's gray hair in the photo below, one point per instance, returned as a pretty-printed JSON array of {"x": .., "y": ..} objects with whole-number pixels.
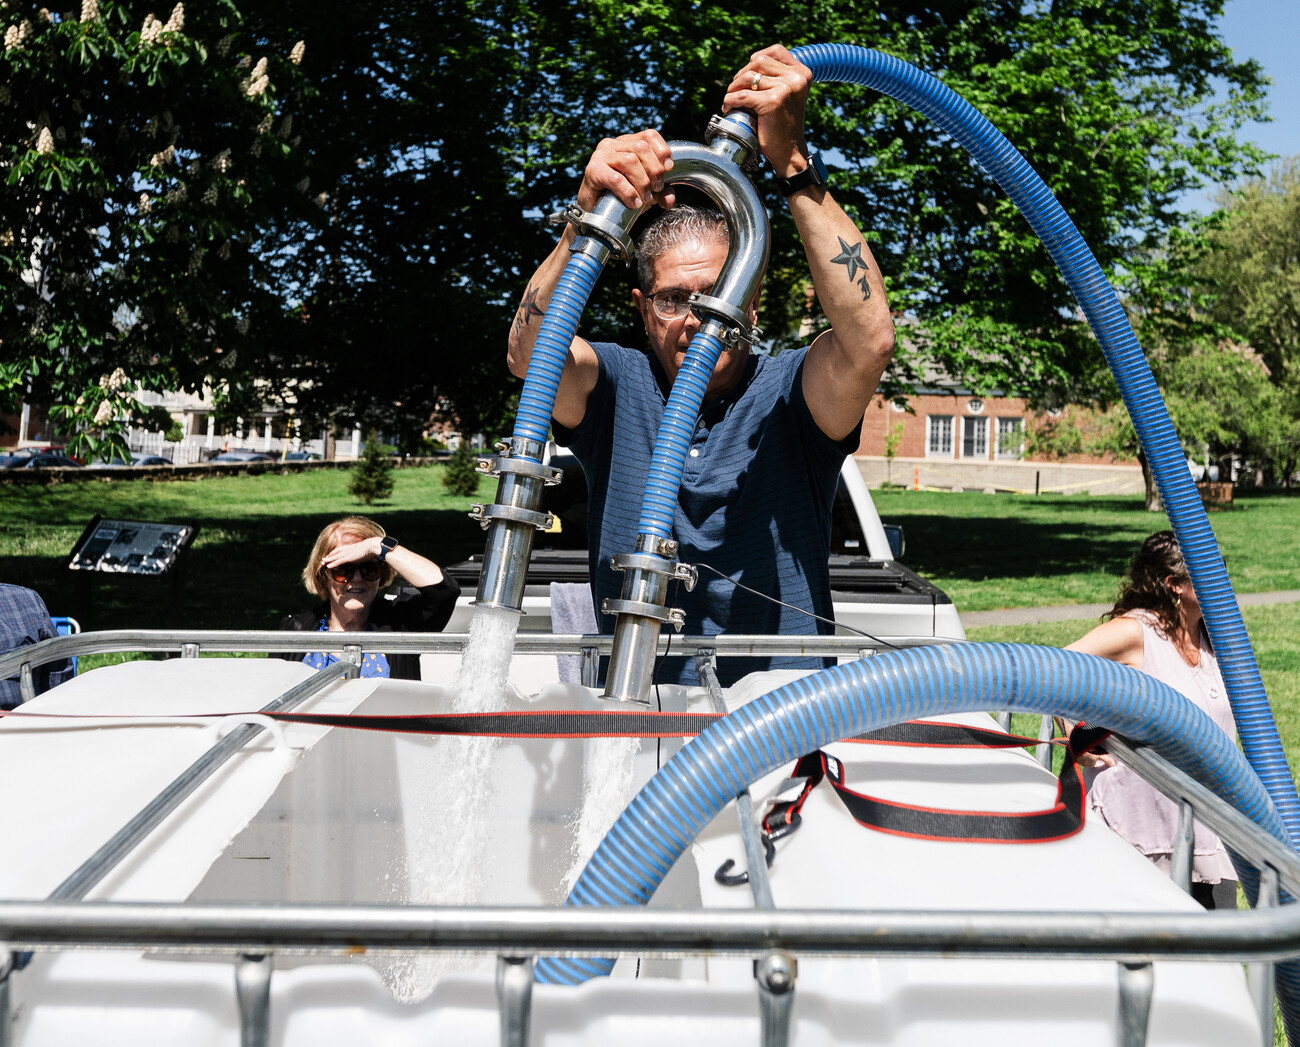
[{"x": 681, "y": 224}]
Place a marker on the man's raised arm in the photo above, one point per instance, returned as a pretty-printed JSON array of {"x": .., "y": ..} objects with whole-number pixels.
[
  {"x": 633, "y": 168},
  {"x": 844, "y": 364}
]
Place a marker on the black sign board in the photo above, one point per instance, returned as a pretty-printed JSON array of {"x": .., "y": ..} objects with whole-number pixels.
[{"x": 130, "y": 546}]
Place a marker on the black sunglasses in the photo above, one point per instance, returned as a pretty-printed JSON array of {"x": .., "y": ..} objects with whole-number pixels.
[{"x": 368, "y": 569}]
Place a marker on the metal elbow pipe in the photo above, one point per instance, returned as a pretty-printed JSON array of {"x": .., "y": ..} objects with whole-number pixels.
[{"x": 715, "y": 169}]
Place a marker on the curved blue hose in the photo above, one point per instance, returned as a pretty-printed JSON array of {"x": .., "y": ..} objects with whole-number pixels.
[
  {"x": 537, "y": 400},
  {"x": 673, "y": 440},
  {"x": 990, "y": 148},
  {"x": 837, "y": 703}
]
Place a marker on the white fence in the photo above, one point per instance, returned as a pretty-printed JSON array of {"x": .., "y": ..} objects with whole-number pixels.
[{"x": 203, "y": 446}]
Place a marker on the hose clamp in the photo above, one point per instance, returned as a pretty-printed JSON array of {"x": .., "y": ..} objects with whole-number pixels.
[
  {"x": 725, "y": 313},
  {"x": 521, "y": 447},
  {"x": 732, "y": 129},
  {"x": 673, "y": 616},
  {"x": 549, "y": 475},
  {"x": 652, "y": 564},
  {"x": 588, "y": 223},
  {"x": 485, "y": 514}
]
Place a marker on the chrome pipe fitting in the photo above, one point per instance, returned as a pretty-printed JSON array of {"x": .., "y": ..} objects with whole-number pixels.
[
  {"x": 717, "y": 169},
  {"x": 512, "y": 520}
]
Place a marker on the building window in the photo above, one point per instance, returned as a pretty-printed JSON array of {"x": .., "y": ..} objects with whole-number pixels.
[
  {"x": 1011, "y": 438},
  {"x": 938, "y": 435},
  {"x": 975, "y": 406},
  {"x": 974, "y": 437}
]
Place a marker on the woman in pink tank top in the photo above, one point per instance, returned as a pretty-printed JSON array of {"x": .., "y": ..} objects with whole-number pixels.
[{"x": 1156, "y": 628}]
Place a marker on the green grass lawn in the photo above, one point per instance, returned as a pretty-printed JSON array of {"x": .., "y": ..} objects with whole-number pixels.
[
  {"x": 256, "y": 532},
  {"x": 997, "y": 550}
]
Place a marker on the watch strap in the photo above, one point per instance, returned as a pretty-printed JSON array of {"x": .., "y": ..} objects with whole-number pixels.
[{"x": 813, "y": 174}]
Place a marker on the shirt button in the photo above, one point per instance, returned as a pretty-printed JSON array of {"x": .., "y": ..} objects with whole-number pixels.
[{"x": 695, "y": 452}]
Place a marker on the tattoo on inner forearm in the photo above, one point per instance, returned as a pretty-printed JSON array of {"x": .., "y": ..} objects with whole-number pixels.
[{"x": 528, "y": 308}]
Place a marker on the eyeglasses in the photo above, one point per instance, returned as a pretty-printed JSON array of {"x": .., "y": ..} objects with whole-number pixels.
[
  {"x": 368, "y": 569},
  {"x": 672, "y": 304}
]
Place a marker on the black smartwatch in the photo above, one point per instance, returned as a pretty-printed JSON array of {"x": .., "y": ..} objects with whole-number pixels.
[
  {"x": 386, "y": 545},
  {"x": 813, "y": 174}
]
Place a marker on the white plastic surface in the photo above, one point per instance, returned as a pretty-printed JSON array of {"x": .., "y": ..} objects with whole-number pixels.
[{"x": 360, "y": 810}]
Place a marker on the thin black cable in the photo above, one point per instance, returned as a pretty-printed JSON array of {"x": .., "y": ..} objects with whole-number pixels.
[{"x": 829, "y": 621}]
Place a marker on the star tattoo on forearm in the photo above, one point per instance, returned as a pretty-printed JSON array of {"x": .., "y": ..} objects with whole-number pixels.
[
  {"x": 528, "y": 308},
  {"x": 851, "y": 258}
]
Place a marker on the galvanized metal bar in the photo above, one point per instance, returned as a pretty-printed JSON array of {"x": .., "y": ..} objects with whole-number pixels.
[
  {"x": 126, "y": 839},
  {"x": 26, "y": 682},
  {"x": 216, "y": 641},
  {"x": 751, "y": 836},
  {"x": 1004, "y": 720},
  {"x": 775, "y": 973},
  {"x": 1244, "y": 936},
  {"x": 1180, "y": 861},
  {"x": 1136, "y": 984},
  {"x": 6, "y": 1004},
  {"x": 253, "y": 993},
  {"x": 590, "y": 665},
  {"x": 515, "y": 998},
  {"x": 189, "y": 650},
  {"x": 1236, "y": 830},
  {"x": 1262, "y": 977},
  {"x": 1043, "y": 751}
]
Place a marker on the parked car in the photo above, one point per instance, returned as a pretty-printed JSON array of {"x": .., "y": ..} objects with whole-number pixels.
[
  {"x": 49, "y": 461},
  {"x": 35, "y": 449},
  {"x": 302, "y": 456},
  {"x": 243, "y": 456},
  {"x": 11, "y": 461},
  {"x": 136, "y": 459}
]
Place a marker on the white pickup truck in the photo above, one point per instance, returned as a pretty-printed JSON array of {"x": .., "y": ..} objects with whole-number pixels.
[{"x": 872, "y": 591}]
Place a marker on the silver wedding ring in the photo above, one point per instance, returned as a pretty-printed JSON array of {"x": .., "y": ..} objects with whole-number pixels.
[{"x": 753, "y": 84}]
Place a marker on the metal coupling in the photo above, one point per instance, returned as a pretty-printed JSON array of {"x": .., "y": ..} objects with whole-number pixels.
[
  {"x": 673, "y": 616},
  {"x": 549, "y": 475},
  {"x": 485, "y": 514},
  {"x": 735, "y": 128},
  {"x": 685, "y": 573},
  {"x": 596, "y": 226},
  {"x": 739, "y": 331}
]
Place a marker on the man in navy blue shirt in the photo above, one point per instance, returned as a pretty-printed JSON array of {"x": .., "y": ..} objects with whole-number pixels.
[{"x": 756, "y": 496}]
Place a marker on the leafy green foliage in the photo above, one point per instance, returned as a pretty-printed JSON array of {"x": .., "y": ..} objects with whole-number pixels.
[
  {"x": 399, "y": 214},
  {"x": 462, "y": 475},
  {"x": 372, "y": 477}
]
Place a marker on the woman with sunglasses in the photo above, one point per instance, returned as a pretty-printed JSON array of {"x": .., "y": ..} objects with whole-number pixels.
[{"x": 352, "y": 560}]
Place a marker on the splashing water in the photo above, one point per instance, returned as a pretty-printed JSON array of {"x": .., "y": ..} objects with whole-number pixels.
[
  {"x": 608, "y": 785},
  {"x": 444, "y": 847}
]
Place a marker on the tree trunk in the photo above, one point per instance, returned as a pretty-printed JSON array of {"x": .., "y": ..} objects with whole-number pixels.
[{"x": 1153, "y": 503}]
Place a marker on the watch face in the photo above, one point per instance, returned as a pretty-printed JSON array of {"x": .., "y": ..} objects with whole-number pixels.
[{"x": 388, "y": 542}]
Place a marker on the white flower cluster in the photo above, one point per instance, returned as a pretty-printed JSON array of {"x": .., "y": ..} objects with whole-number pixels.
[
  {"x": 149, "y": 31},
  {"x": 177, "y": 20},
  {"x": 299, "y": 49},
  {"x": 321, "y": 198},
  {"x": 210, "y": 195},
  {"x": 163, "y": 158},
  {"x": 255, "y": 149},
  {"x": 257, "y": 81},
  {"x": 16, "y": 35},
  {"x": 7, "y": 238},
  {"x": 151, "y": 128},
  {"x": 145, "y": 203},
  {"x": 286, "y": 126},
  {"x": 113, "y": 382},
  {"x": 222, "y": 163},
  {"x": 104, "y": 413},
  {"x": 241, "y": 325},
  {"x": 223, "y": 45},
  {"x": 196, "y": 260},
  {"x": 178, "y": 195},
  {"x": 43, "y": 15},
  {"x": 265, "y": 125},
  {"x": 223, "y": 252},
  {"x": 45, "y": 142},
  {"x": 173, "y": 235},
  {"x": 89, "y": 10},
  {"x": 194, "y": 168}
]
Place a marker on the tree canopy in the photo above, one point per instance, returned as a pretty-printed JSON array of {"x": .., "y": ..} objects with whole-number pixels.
[{"x": 353, "y": 218}]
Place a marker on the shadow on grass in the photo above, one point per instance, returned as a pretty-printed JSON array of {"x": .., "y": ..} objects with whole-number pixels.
[{"x": 241, "y": 573}]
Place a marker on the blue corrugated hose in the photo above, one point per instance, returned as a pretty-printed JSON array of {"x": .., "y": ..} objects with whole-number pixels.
[
  {"x": 891, "y": 688},
  {"x": 990, "y": 148},
  {"x": 673, "y": 440},
  {"x": 537, "y": 400}
]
